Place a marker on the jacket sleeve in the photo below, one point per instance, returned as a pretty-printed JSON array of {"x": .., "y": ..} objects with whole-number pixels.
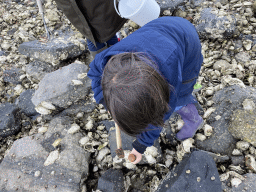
[{"x": 95, "y": 74}]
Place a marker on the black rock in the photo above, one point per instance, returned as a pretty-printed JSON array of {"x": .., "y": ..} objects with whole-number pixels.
[
  {"x": 9, "y": 119},
  {"x": 108, "y": 124},
  {"x": 25, "y": 104},
  {"x": 196, "y": 172},
  {"x": 111, "y": 181},
  {"x": 12, "y": 76}
]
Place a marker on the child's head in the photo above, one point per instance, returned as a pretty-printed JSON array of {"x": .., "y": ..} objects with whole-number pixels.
[{"x": 135, "y": 93}]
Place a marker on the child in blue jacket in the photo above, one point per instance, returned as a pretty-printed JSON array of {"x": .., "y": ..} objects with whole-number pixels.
[{"x": 144, "y": 78}]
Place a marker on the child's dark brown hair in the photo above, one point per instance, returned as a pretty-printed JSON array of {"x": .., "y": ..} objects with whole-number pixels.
[{"x": 135, "y": 93}]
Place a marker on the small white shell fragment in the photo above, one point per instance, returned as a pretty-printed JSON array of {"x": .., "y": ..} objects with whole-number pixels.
[
  {"x": 242, "y": 145},
  {"x": 74, "y": 128},
  {"x": 169, "y": 160},
  {"x": 151, "y": 151},
  {"x": 84, "y": 140},
  {"x": 95, "y": 168},
  {"x": 100, "y": 127},
  {"x": 37, "y": 173},
  {"x": 103, "y": 117},
  {"x": 42, "y": 110},
  {"x": 218, "y": 117},
  {"x": 248, "y": 104},
  {"x": 208, "y": 112},
  {"x": 77, "y": 82},
  {"x": 53, "y": 156},
  {"x": 79, "y": 115},
  {"x": 102, "y": 153},
  {"x": 103, "y": 111},
  {"x": 228, "y": 80},
  {"x": 42, "y": 129},
  {"x": 22, "y": 77},
  {"x": 236, "y": 152},
  {"x": 82, "y": 75},
  {"x": 18, "y": 89},
  {"x": 187, "y": 144},
  {"x": 47, "y": 105},
  {"x": 224, "y": 176},
  {"x": 200, "y": 137},
  {"x": 56, "y": 142},
  {"x": 150, "y": 159},
  {"x": 207, "y": 130},
  {"x": 180, "y": 124},
  {"x": 151, "y": 172},
  {"x": 235, "y": 182},
  {"x": 89, "y": 125}
]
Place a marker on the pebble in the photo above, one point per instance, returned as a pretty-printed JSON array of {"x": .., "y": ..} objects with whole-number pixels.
[
  {"x": 74, "y": 128},
  {"x": 207, "y": 130},
  {"x": 53, "y": 156}
]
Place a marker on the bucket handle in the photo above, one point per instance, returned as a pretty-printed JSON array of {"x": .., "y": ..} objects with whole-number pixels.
[{"x": 116, "y": 9}]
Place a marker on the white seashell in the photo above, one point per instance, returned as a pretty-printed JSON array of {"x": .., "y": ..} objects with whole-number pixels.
[
  {"x": 18, "y": 89},
  {"x": 151, "y": 172},
  {"x": 77, "y": 82},
  {"x": 102, "y": 153},
  {"x": 208, "y": 112},
  {"x": 42, "y": 129},
  {"x": 53, "y": 156},
  {"x": 82, "y": 75},
  {"x": 242, "y": 145},
  {"x": 248, "y": 104},
  {"x": 89, "y": 125},
  {"x": 187, "y": 144},
  {"x": 103, "y": 111},
  {"x": 169, "y": 160},
  {"x": 224, "y": 176},
  {"x": 95, "y": 168},
  {"x": 235, "y": 182},
  {"x": 236, "y": 152},
  {"x": 151, "y": 160},
  {"x": 79, "y": 115},
  {"x": 207, "y": 130},
  {"x": 151, "y": 151},
  {"x": 84, "y": 140},
  {"x": 74, "y": 128},
  {"x": 235, "y": 174},
  {"x": 42, "y": 110},
  {"x": 180, "y": 124},
  {"x": 22, "y": 77},
  {"x": 37, "y": 173},
  {"x": 209, "y": 91},
  {"x": 218, "y": 117},
  {"x": 103, "y": 117},
  {"x": 100, "y": 127},
  {"x": 250, "y": 162},
  {"x": 47, "y": 105},
  {"x": 228, "y": 80},
  {"x": 56, "y": 142},
  {"x": 200, "y": 137}
]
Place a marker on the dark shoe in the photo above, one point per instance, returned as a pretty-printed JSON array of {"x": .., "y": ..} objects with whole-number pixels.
[{"x": 192, "y": 122}]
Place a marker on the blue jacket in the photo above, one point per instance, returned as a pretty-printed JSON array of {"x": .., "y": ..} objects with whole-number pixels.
[{"x": 173, "y": 43}]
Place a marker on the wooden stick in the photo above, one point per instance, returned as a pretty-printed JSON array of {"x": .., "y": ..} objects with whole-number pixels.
[{"x": 118, "y": 137}]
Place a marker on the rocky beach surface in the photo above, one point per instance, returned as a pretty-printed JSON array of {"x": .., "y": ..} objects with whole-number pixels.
[{"x": 54, "y": 137}]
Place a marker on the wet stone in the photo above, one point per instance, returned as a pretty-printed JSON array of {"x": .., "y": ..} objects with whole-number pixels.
[
  {"x": 2, "y": 53},
  {"x": 111, "y": 181},
  {"x": 207, "y": 26},
  {"x": 12, "y": 76},
  {"x": 25, "y": 104},
  {"x": 37, "y": 70},
  {"x": 60, "y": 48},
  {"x": 237, "y": 160},
  {"x": 9, "y": 119}
]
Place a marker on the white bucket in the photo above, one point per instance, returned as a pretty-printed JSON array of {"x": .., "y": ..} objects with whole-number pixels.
[{"x": 139, "y": 11}]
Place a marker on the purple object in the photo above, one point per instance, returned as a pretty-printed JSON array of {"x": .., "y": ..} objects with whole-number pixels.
[{"x": 192, "y": 122}]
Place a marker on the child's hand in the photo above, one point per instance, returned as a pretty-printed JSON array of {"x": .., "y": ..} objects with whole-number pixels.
[{"x": 137, "y": 155}]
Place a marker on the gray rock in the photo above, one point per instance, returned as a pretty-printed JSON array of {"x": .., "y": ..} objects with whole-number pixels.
[
  {"x": 211, "y": 26},
  {"x": 169, "y": 4},
  {"x": 37, "y": 70},
  {"x": 237, "y": 160},
  {"x": 81, "y": 106},
  {"x": 221, "y": 65},
  {"x": 111, "y": 181},
  {"x": 24, "y": 167},
  {"x": 242, "y": 125},
  {"x": 53, "y": 51},
  {"x": 2, "y": 53},
  {"x": 25, "y": 104},
  {"x": 243, "y": 57},
  {"x": 226, "y": 101},
  {"x": 12, "y": 76},
  {"x": 249, "y": 183},
  {"x": 9, "y": 119},
  {"x": 58, "y": 89}
]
